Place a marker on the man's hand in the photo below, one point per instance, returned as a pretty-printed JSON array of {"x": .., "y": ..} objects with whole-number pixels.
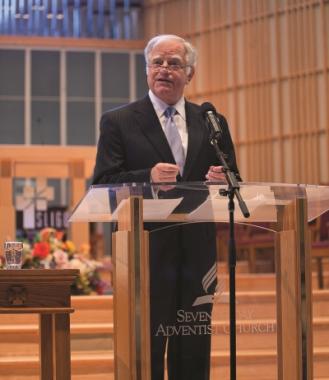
[
  {"x": 163, "y": 172},
  {"x": 215, "y": 173}
]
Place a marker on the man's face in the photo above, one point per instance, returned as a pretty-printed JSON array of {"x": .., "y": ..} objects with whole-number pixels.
[{"x": 168, "y": 83}]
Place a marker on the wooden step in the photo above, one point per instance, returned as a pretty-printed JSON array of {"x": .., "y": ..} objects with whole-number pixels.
[
  {"x": 255, "y": 313},
  {"x": 92, "y": 309},
  {"x": 266, "y": 281},
  {"x": 251, "y": 334},
  {"x": 18, "y": 340},
  {"x": 261, "y": 334},
  {"x": 251, "y": 364},
  {"x": 260, "y": 364},
  {"x": 255, "y": 304},
  {"x": 88, "y": 363},
  {"x": 242, "y": 266},
  {"x": 262, "y": 305}
]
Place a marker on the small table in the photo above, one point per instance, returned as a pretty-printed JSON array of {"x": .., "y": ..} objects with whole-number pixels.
[{"x": 45, "y": 292}]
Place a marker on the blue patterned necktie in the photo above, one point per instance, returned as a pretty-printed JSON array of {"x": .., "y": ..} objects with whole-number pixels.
[{"x": 174, "y": 138}]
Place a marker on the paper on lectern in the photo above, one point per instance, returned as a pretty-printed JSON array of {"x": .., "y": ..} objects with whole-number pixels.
[
  {"x": 261, "y": 205},
  {"x": 153, "y": 209}
]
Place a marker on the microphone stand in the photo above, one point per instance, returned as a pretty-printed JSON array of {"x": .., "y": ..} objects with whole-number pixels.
[{"x": 232, "y": 190}]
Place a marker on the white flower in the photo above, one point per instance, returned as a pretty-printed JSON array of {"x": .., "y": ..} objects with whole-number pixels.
[
  {"x": 76, "y": 263},
  {"x": 61, "y": 259}
]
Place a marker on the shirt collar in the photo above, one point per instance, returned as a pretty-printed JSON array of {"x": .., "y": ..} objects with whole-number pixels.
[{"x": 160, "y": 106}]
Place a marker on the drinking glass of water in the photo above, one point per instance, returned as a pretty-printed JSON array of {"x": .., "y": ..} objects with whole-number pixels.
[{"x": 13, "y": 253}]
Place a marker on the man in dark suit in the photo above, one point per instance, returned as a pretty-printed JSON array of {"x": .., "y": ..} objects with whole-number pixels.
[{"x": 135, "y": 146}]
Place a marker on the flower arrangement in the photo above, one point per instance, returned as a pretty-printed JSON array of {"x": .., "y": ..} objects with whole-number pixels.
[{"x": 51, "y": 250}]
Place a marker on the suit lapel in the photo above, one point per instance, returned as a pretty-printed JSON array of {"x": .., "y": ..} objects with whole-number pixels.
[
  {"x": 151, "y": 128},
  {"x": 196, "y": 130}
]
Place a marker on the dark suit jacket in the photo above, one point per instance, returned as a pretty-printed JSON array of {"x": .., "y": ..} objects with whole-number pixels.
[{"x": 132, "y": 142}]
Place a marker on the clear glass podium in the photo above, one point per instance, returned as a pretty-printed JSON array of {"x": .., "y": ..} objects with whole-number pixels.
[{"x": 288, "y": 207}]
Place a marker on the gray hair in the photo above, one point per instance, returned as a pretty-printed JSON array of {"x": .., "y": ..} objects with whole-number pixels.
[{"x": 191, "y": 55}]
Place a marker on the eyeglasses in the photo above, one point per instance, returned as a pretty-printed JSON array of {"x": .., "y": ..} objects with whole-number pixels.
[{"x": 158, "y": 64}]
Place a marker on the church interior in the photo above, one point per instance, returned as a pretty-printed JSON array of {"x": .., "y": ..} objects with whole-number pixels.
[{"x": 264, "y": 64}]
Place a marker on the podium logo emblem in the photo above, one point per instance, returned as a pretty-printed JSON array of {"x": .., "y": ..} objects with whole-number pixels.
[{"x": 209, "y": 278}]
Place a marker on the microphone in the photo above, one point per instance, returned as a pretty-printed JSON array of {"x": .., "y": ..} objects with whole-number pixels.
[{"x": 210, "y": 114}]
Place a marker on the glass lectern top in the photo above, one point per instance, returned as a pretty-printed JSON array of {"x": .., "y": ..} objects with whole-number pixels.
[{"x": 197, "y": 201}]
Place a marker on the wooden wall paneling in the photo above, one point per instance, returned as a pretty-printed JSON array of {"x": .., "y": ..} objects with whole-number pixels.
[
  {"x": 248, "y": 125},
  {"x": 316, "y": 99},
  {"x": 216, "y": 66},
  {"x": 277, "y": 75},
  {"x": 255, "y": 100},
  {"x": 235, "y": 73},
  {"x": 315, "y": 168},
  {"x": 263, "y": 53},
  {"x": 286, "y": 153},
  {"x": 215, "y": 14},
  {"x": 304, "y": 96},
  {"x": 292, "y": 83},
  {"x": 294, "y": 160},
  {"x": 193, "y": 18},
  {"x": 239, "y": 99},
  {"x": 185, "y": 17},
  {"x": 79, "y": 231},
  {"x": 301, "y": 116},
  {"x": 238, "y": 107},
  {"x": 189, "y": 12},
  {"x": 242, "y": 99},
  {"x": 261, "y": 126},
  {"x": 264, "y": 85},
  {"x": 200, "y": 66},
  {"x": 293, "y": 44},
  {"x": 276, "y": 129},
  {"x": 286, "y": 121},
  {"x": 287, "y": 92},
  {"x": 258, "y": 104},
  {"x": 245, "y": 91},
  {"x": 152, "y": 23},
  {"x": 314, "y": 126},
  {"x": 268, "y": 148},
  {"x": 325, "y": 68},
  {"x": 7, "y": 210},
  {"x": 252, "y": 136},
  {"x": 205, "y": 25},
  {"x": 191, "y": 32},
  {"x": 172, "y": 23},
  {"x": 160, "y": 15},
  {"x": 246, "y": 8},
  {"x": 312, "y": 119},
  {"x": 276, "y": 61},
  {"x": 227, "y": 56},
  {"x": 232, "y": 86},
  {"x": 204, "y": 75},
  {"x": 241, "y": 119},
  {"x": 270, "y": 134},
  {"x": 150, "y": 20}
]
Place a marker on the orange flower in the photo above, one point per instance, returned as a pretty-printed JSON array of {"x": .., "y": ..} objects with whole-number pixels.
[
  {"x": 41, "y": 250},
  {"x": 59, "y": 235},
  {"x": 69, "y": 246}
]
